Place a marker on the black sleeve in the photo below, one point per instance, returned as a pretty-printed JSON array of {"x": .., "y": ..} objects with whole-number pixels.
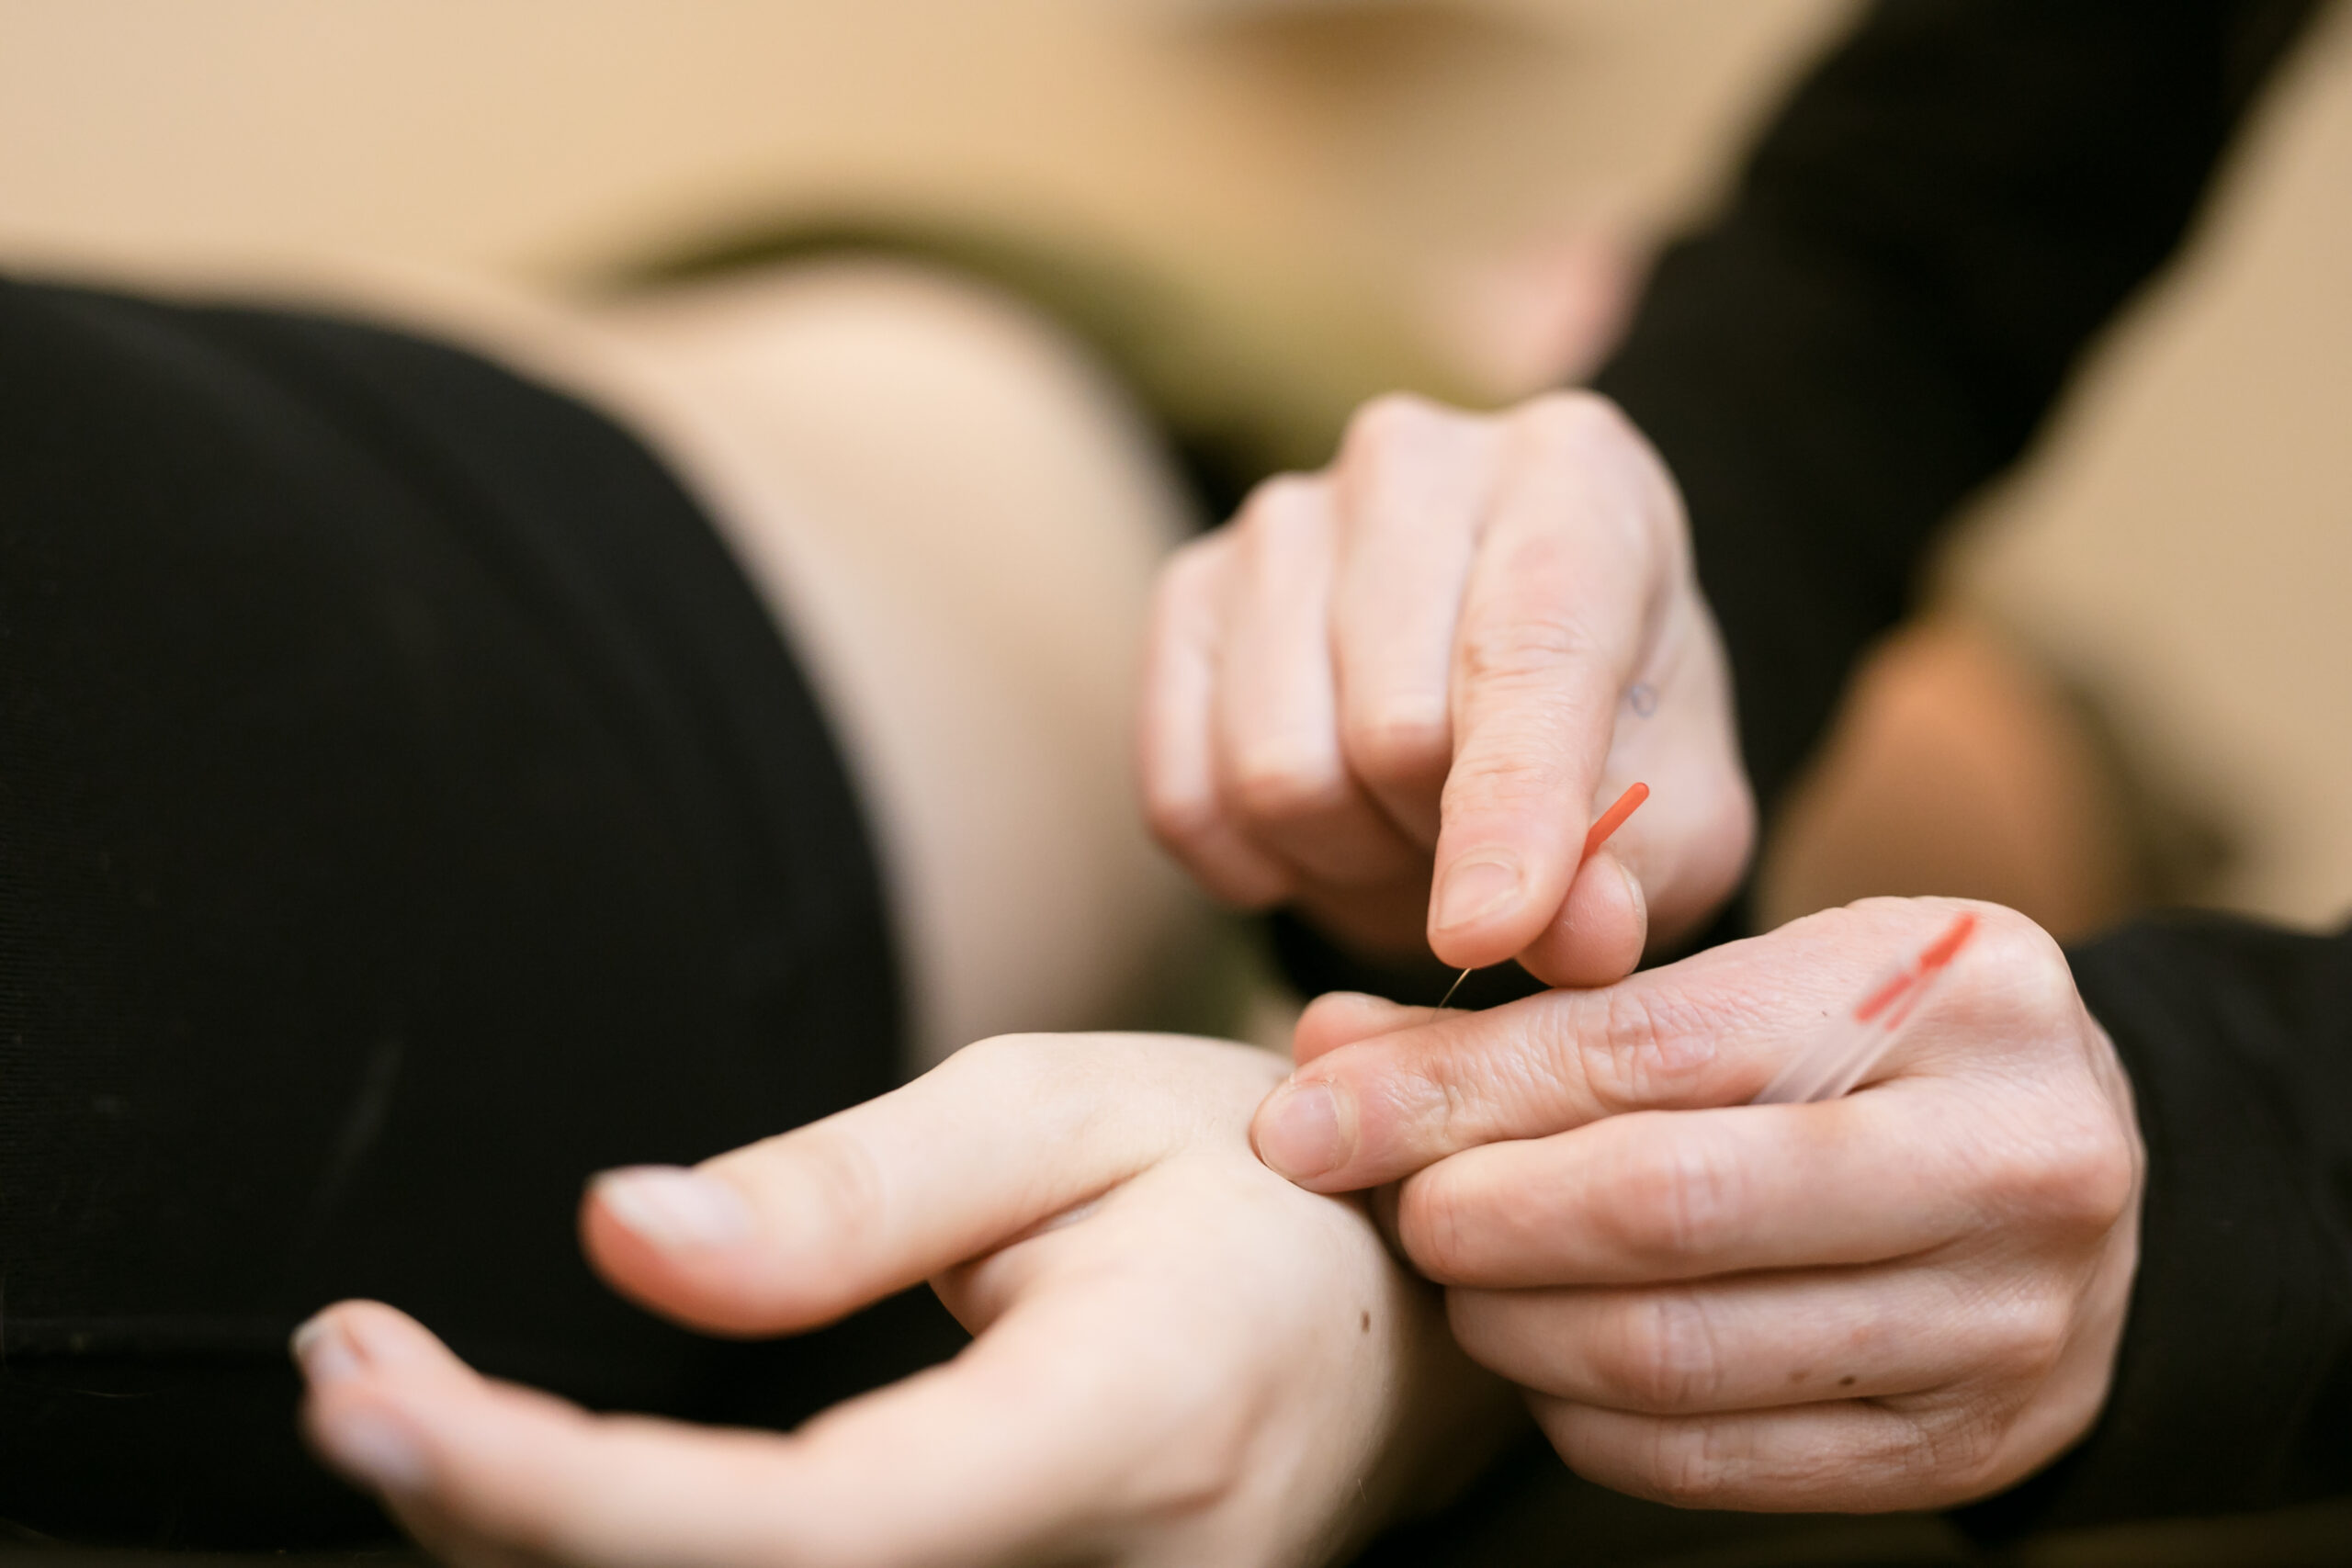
[
  {"x": 2234, "y": 1386},
  {"x": 1946, "y": 212}
]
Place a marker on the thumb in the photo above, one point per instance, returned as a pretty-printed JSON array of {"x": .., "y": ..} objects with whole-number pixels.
[
  {"x": 796, "y": 1231},
  {"x": 1598, "y": 936}
]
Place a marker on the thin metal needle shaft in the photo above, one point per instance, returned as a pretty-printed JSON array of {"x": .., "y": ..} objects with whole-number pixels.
[{"x": 1610, "y": 820}]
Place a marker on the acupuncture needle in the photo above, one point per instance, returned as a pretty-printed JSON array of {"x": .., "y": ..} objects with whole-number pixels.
[
  {"x": 1607, "y": 823},
  {"x": 1862, "y": 1036}
]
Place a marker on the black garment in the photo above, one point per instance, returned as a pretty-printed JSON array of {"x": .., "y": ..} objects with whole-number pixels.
[
  {"x": 406, "y": 809},
  {"x": 1940, "y": 222}
]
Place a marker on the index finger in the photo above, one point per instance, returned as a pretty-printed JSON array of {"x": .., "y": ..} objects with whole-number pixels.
[
  {"x": 1372, "y": 1113},
  {"x": 1567, "y": 581},
  {"x": 1710, "y": 1031}
]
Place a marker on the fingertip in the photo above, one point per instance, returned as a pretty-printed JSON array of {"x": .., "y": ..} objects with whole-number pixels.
[
  {"x": 353, "y": 1338},
  {"x": 677, "y": 1242},
  {"x": 673, "y": 1209},
  {"x": 1480, "y": 910},
  {"x": 1597, "y": 937},
  {"x": 1304, "y": 1132}
]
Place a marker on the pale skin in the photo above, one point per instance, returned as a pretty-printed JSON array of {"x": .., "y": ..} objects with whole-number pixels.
[
  {"x": 1394, "y": 694},
  {"x": 1907, "y": 1298},
  {"x": 1618, "y": 1235},
  {"x": 1179, "y": 1357}
]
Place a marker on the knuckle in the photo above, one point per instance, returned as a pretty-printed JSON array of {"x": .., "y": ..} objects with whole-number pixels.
[
  {"x": 1183, "y": 594},
  {"x": 2031, "y": 1339},
  {"x": 1433, "y": 1224},
  {"x": 2038, "y": 983},
  {"x": 1190, "y": 568},
  {"x": 2070, "y": 1181},
  {"x": 1670, "y": 1358},
  {"x": 1278, "y": 503},
  {"x": 1286, "y": 786},
  {"x": 1953, "y": 1444},
  {"x": 1399, "y": 742},
  {"x": 2090, "y": 1182},
  {"x": 1686, "y": 1465},
  {"x": 1188, "y": 819},
  {"x": 1677, "y": 1199},
  {"x": 1392, "y": 419},
  {"x": 1646, "y": 1053},
  {"x": 1575, "y": 421},
  {"x": 1483, "y": 780},
  {"x": 1518, "y": 650},
  {"x": 1179, "y": 818},
  {"x": 1588, "y": 434}
]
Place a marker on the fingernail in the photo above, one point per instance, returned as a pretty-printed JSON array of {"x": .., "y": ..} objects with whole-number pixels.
[
  {"x": 1474, "y": 889},
  {"x": 1634, "y": 894},
  {"x": 1300, "y": 1133},
  {"x": 672, "y": 1207},
  {"x": 375, "y": 1448},
  {"x": 325, "y": 1352}
]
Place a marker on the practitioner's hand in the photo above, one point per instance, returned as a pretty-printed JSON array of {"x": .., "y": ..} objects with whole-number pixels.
[
  {"x": 1180, "y": 1359},
  {"x": 1906, "y": 1297},
  {"x": 1451, "y": 650}
]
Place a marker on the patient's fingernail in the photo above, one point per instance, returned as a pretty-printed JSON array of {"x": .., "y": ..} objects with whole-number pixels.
[
  {"x": 1475, "y": 889},
  {"x": 325, "y": 1352},
  {"x": 374, "y": 1449},
  {"x": 1300, "y": 1133},
  {"x": 672, "y": 1207}
]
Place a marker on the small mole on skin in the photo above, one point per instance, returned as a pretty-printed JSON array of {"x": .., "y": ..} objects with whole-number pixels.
[
  {"x": 1846, "y": 1381},
  {"x": 1365, "y": 1326},
  {"x": 1800, "y": 1374}
]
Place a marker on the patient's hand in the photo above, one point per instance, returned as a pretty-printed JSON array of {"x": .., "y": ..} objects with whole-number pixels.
[
  {"x": 1181, "y": 1357},
  {"x": 1906, "y": 1297},
  {"x": 1450, "y": 651}
]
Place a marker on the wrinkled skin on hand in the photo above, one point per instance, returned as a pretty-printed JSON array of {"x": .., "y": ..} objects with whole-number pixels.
[
  {"x": 1394, "y": 694},
  {"x": 1179, "y": 1358},
  {"x": 1907, "y": 1298}
]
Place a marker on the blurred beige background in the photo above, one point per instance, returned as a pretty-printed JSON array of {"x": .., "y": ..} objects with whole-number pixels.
[{"x": 1452, "y": 196}]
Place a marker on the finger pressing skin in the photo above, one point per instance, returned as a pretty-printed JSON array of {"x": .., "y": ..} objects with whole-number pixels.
[
  {"x": 1842, "y": 1455},
  {"x": 1371, "y": 1112},
  {"x": 1555, "y": 621},
  {"x": 1279, "y": 769},
  {"x": 1413, "y": 481},
  {"x": 1598, "y": 936},
  {"x": 1706, "y": 1032},
  {"x": 798, "y": 1230},
  {"x": 1679, "y": 1195},
  {"x": 1756, "y": 1342},
  {"x": 1176, "y": 748}
]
